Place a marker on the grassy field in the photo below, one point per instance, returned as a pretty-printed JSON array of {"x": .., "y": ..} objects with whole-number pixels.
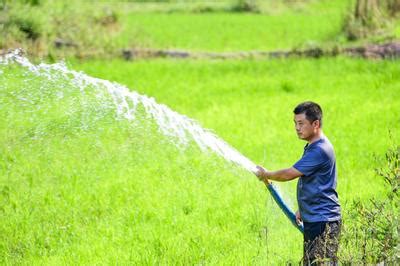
[
  {"x": 254, "y": 100},
  {"x": 81, "y": 187},
  {"x": 318, "y": 24}
]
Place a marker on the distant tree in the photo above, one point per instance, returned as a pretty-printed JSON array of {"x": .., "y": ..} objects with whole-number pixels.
[
  {"x": 393, "y": 7},
  {"x": 367, "y": 11},
  {"x": 370, "y": 17}
]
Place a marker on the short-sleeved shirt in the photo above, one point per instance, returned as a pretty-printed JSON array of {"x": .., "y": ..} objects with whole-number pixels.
[{"x": 316, "y": 188}]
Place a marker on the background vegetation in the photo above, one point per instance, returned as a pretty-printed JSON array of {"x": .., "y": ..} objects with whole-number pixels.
[{"x": 58, "y": 29}]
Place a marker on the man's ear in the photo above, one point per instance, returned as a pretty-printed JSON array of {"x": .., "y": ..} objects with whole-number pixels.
[{"x": 316, "y": 123}]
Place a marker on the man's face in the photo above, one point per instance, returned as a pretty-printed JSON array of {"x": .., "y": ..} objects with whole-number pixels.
[{"x": 305, "y": 129}]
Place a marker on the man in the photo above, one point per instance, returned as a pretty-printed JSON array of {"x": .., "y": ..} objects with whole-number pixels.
[{"x": 319, "y": 208}]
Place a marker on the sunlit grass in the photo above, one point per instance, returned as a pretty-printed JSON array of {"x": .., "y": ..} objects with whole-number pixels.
[
  {"x": 81, "y": 186},
  {"x": 250, "y": 105},
  {"x": 318, "y": 24}
]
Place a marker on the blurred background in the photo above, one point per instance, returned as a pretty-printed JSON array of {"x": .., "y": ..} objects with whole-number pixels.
[{"x": 103, "y": 29}]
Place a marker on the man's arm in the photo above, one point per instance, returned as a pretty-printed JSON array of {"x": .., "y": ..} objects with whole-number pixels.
[{"x": 282, "y": 175}]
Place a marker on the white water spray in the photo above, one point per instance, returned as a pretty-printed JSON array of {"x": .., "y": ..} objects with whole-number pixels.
[{"x": 170, "y": 122}]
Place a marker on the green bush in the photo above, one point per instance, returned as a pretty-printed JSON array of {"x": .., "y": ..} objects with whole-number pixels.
[
  {"x": 33, "y": 2},
  {"x": 370, "y": 17},
  {"x": 374, "y": 226},
  {"x": 27, "y": 25},
  {"x": 245, "y": 6}
]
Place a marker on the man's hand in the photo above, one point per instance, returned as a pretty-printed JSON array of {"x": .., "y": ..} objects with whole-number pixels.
[
  {"x": 262, "y": 174},
  {"x": 299, "y": 221}
]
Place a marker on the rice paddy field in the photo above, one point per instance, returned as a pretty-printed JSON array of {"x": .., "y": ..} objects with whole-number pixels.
[
  {"x": 250, "y": 103},
  {"x": 305, "y": 26},
  {"x": 80, "y": 184}
]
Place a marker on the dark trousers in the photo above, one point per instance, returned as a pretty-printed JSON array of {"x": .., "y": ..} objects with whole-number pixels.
[{"x": 321, "y": 243}]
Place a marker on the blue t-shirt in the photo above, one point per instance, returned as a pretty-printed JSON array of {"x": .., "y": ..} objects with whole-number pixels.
[{"x": 316, "y": 189}]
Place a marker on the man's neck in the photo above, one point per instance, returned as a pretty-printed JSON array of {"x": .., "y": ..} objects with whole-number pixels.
[{"x": 315, "y": 137}]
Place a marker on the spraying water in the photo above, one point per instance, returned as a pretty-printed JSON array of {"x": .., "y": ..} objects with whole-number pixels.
[{"x": 171, "y": 123}]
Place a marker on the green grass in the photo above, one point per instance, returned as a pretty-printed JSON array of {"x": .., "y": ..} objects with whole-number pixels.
[
  {"x": 250, "y": 105},
  {"x": 319, "y": 24},
  {"x": 78, "y": 186},
  {"x": 81, "y": 187}
]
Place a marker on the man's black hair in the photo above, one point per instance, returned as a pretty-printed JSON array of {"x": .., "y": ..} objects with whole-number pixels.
[{"x": 311, "y": 110}]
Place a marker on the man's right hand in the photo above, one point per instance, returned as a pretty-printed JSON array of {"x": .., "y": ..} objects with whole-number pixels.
[
  {"x": 261, "y": 173},
  {"x": 299, "y": 221}
]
